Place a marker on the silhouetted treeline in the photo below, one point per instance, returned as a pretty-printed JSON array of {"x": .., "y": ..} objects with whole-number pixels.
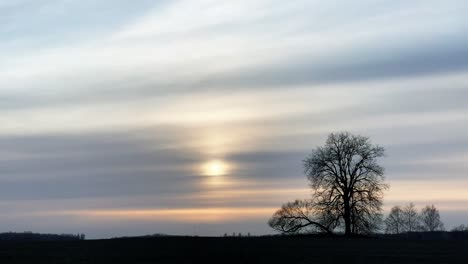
[
  {"x": 30, "y": 236},
  {"x": 145, "y": 236}
]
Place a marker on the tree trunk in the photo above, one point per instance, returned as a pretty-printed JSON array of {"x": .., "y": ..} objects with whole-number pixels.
[{"x": 347, "y": 217}]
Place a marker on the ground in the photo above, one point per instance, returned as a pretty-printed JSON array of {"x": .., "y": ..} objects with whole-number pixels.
[{"x": 236, "y": 250}]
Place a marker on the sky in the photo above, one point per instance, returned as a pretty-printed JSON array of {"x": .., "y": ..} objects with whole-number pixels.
[{"x": 123, "y": 118}]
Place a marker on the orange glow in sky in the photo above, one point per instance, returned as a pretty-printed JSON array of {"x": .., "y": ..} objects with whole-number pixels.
[{"x": 178, "y": 215}]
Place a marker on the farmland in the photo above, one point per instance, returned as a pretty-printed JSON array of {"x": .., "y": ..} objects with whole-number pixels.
[{"x": 276, "y": 249}]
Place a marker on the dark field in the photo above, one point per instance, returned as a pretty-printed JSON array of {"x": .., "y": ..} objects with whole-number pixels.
[{"x": 236, "y": 250}]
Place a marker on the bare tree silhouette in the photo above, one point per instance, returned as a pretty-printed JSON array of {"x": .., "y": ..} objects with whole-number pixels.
[
  {"x": 460, "y": 228},
  {"x": 410, "y": 218},
  {"x": 430, "y": 219},
  {"x": 394, "y": 222},
  {"x": 347, "y": 184},
  {"x": 299, "y": 216}
]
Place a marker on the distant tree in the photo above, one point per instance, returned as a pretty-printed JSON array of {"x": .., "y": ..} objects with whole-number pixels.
[
  {"x": 348, "y": 186},
  {"x": 430, "y": 219},
  {"x": 410, "y": 218},
  {"x": 460, "y": 228},
  {"x": 394, "y": 223}
]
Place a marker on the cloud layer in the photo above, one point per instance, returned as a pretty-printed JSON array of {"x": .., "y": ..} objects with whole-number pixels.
[{"x": 113, "y": 107}]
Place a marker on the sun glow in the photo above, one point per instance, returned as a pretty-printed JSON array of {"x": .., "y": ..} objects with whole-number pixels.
[{"x": 215, "y": 168}]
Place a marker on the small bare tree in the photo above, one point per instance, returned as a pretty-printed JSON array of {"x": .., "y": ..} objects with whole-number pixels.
[
  {"x": 394, "y": 223},
  {"x": 410, "y": 218},
  {"x": 460, "y": 228},
  {"x": 299, "y": 217},
  {"x": 430, "y": 219}
]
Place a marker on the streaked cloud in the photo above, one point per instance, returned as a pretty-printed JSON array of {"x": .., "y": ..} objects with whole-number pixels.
[{"x": 110, "y": 109}]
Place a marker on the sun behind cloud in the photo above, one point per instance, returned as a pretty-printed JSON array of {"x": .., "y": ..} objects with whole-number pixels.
[{"x": 215, "y": 168}]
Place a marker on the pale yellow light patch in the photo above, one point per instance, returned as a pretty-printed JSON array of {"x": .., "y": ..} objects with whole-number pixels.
[
  {"x": 215, "y": 168},
  {"x": 446, "y": 195}
]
